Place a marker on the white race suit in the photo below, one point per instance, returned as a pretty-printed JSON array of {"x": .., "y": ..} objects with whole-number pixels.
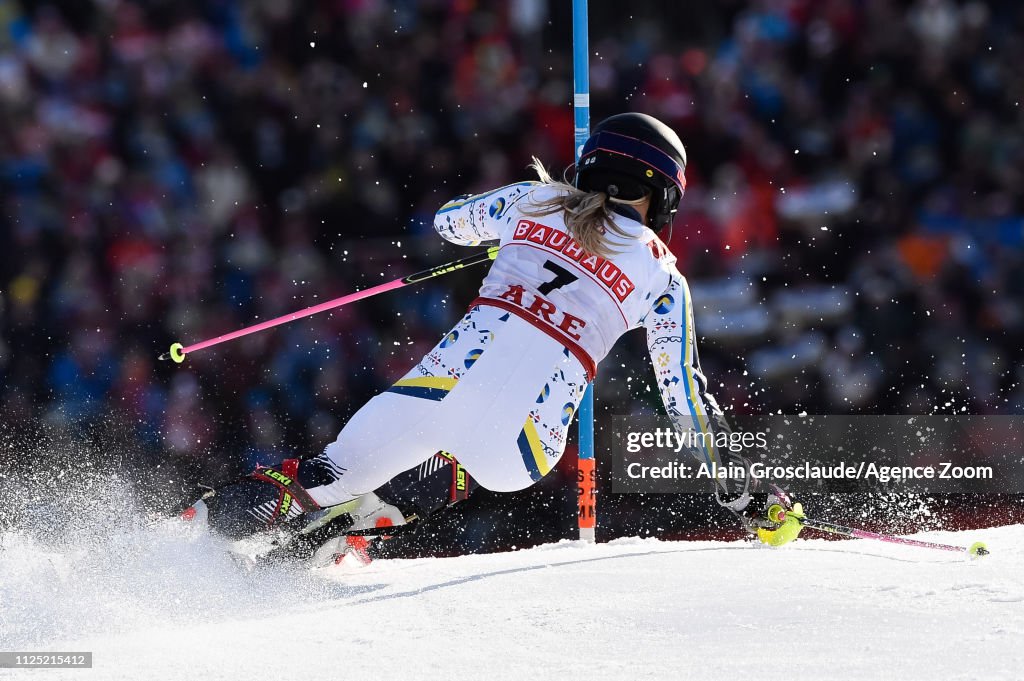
[{"x": 499, "y": 391}]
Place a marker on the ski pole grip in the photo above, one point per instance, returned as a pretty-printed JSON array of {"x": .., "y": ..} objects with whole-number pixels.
[
  {"x": 176, "y": 353},
  {"x": 776, "y": 513}
]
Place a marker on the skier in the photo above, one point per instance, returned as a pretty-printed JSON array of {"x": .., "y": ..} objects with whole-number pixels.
[{"x": 491, "y": 403}]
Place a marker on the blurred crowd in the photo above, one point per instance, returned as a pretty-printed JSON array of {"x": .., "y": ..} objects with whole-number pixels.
[{"x": 852, "y": 226}]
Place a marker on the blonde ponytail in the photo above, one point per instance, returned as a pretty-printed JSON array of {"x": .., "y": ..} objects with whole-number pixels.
[{"x": 586, "y": 214}]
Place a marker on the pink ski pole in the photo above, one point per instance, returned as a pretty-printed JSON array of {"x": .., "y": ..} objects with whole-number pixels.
[
  {"x": 178, "y": 351},
  {"x": 777, "y": 514}
]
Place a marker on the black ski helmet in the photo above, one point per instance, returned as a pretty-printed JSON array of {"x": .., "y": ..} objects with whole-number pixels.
[{"x": 630, "y": 155}]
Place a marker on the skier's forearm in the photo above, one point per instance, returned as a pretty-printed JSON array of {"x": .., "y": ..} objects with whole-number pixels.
[
  {"x": 474, "y": 220},
  {"x": 671, "y": 342}
]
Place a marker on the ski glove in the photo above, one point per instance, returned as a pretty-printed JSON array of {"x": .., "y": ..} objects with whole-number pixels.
[{"x": 775, "y": 531}]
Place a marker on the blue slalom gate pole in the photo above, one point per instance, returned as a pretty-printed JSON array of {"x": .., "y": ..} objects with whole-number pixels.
[{"x": 587, "y": 469}]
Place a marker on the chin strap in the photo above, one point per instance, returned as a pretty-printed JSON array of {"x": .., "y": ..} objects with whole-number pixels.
[{"x": 670, "y": 226}]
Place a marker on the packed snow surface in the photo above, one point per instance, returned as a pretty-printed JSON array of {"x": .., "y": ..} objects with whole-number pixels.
[{"x": 167, "y": 603}]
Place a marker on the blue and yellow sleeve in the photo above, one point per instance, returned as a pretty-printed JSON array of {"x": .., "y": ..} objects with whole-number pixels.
[{"x": 671, "y": 341}]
